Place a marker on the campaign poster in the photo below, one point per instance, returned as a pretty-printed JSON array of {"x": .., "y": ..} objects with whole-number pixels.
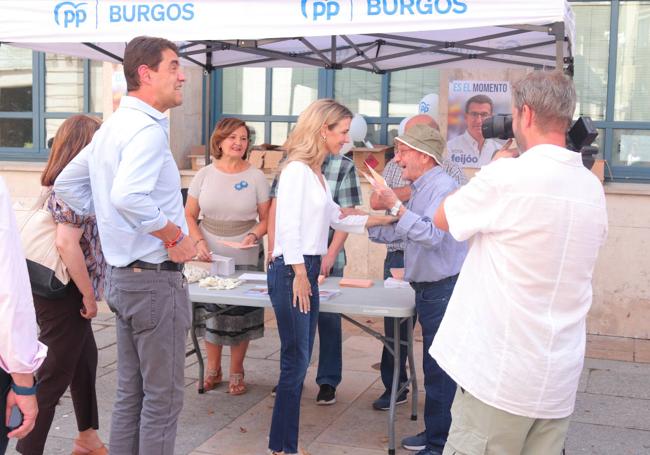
[{"x": 470, "y": 103}]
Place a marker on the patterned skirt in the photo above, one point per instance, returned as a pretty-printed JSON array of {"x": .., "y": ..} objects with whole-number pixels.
[{"x": 235, "y": 324}]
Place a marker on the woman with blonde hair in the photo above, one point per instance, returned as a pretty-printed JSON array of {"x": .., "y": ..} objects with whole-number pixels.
[
  {"x": 305, "y": 212},
  {"x": 232, "y": 199},
  {"x": 65, "y": 322}
]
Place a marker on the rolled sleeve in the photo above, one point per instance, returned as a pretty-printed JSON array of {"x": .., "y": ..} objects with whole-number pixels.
[
  {"x": 136, "y": 177},
  {"x": 72, "y": 185}
]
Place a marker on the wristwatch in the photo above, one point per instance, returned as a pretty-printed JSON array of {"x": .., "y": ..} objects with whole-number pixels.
[
  {"x": 395, "y": 209},
  {"x": 20, "y": 390}
]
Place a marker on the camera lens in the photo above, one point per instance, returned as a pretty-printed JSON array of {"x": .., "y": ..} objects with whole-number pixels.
[{"x": 499, "y": 126}]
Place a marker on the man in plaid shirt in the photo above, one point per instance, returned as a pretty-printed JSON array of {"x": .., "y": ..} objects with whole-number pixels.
[{"x": 340, "y": 173}]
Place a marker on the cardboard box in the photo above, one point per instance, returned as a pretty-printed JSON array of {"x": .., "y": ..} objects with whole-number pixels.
[
  {"x": 378, "y": 154},
  {"x": 197, "y": 162},
  {"x": 272, "y": 158},
  {"x": 256, "y": 158},
  {"x": 222, "y": 265},
  {"x": 197, "y": 157}
]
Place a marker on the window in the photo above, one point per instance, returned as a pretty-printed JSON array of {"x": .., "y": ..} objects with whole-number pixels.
[
  {"x": 37, "y": 93},
  {"x": 408, "y": 87},
  {"x": 16, "y": 124},
  {"x": 244, "y": 91},
  {"x": 359, "y": 90},
  {"x": 293, "y": 90},
  {"x": 612, "y": 75},
  {"x": 591, "y": 58},
  {"x": 633, "y": 62}
]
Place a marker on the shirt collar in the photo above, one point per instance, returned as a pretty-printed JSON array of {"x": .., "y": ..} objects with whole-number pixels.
[
  {"x": 470, "y": 139},
  {"x": 426, "y": 178},
  {"x": 556, "y": 153},
  {"x": 131, "y": 102}
]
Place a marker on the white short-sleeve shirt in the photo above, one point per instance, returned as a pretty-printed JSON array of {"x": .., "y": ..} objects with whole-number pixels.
[{"x": 513, "y": 334}]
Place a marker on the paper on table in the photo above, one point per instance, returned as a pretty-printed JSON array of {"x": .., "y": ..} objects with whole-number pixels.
[
  {"x": 355, "y": 283},
  {"x": 253, "y": 277},
  {"x": 258, "y": 292},
  {"x": 237, "y": 245},
  {"x": 392, "y": 283}
]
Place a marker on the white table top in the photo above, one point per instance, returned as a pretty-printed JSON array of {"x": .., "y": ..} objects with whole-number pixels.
[{"x": 373, "y": 301}]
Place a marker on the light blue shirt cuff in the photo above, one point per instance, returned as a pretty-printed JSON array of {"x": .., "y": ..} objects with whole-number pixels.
[{"x": 156, "y": 224}]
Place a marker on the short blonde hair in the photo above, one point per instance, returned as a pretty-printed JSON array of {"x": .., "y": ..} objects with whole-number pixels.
[{"x": 305, "y": 143}]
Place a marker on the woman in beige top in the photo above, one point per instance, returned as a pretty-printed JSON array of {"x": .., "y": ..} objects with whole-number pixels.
[{"x": 232, "y": 198}]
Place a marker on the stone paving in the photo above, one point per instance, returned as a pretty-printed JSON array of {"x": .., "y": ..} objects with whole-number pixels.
[{"x": 612, "y": 412}]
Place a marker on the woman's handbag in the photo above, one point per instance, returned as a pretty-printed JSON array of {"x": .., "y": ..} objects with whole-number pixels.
[{"x": 48, "y": 274}]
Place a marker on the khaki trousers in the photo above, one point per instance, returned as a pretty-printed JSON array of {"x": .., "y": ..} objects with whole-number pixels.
[{"x": 480, "y": 429}]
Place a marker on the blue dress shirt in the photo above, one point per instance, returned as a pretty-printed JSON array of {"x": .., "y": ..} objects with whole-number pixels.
[
  {"x": 430, "y": 254},
  {"x": 128, "y": 177}
]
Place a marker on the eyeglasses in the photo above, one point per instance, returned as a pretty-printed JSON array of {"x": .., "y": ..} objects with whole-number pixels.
[{"x": 482, "y": 115}]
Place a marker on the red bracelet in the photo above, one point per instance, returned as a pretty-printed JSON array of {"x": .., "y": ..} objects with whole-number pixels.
[{"x": 179, "y": 238}]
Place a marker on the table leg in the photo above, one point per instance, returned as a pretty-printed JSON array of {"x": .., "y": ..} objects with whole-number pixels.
[
  {"x": 412, "y": 377},
  {"x": 394, "y": 386},
  {"x": 197, "y": 349}
]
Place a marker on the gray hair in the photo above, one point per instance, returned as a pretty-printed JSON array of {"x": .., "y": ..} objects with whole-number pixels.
[{"x": 550, "y": 94}]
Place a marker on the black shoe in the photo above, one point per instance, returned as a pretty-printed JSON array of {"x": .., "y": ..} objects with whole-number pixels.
[
  {"x": 383, "y": 402},
  {"x": 326, "y": 395},
  {"x": 274, "y": 391}
]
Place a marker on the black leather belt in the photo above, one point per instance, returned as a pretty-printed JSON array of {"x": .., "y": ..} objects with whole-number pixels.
[
  {"x": 167, "y": 265},
  {"x": 419, "y": 285}
]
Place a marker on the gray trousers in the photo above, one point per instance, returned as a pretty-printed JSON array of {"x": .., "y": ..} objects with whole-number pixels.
[{"x": 153, "y": 318}]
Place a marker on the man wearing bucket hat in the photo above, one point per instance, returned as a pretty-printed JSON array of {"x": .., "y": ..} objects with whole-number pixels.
[{"x": 432, "y": 260}]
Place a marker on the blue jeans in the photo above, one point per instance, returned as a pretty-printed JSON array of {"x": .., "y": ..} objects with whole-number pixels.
[
  {"x": 394, "y": 259},
  {"x": 430, "y": 305},
  {"x": 330, "y": 340},
  {"x": 297, "y": 331}
]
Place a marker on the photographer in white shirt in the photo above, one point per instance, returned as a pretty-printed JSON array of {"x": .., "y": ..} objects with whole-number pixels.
[{"x": 513, "y": 336}]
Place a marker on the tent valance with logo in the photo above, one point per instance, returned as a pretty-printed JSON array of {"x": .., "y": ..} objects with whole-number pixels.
[{"x": 371, "y": 35}]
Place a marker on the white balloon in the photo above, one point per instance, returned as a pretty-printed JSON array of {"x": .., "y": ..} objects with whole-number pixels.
[
  {"x": 358, "y": 128},
  {"x": 346, "y": 148},
  {"x": 429, "y": 105},
  {"x": 402, "y": 126}
]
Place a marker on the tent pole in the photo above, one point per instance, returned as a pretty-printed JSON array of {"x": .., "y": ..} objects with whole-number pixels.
[
  {"x": 208, "y": 79},
  {"x": 557, "y": 29}
]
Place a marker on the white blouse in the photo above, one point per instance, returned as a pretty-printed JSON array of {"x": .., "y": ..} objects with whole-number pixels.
[{"x": 305, "y": 211}]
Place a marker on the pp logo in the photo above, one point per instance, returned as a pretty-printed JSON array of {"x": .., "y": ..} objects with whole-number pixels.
[
  {"x": 326, "y": 9},
  {"x": 424, "y": 107},
  {"x": 241, "y": 185},
  {"x": 69, "y": 13}
]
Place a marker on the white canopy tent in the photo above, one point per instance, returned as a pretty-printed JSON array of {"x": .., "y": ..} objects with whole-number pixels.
[{"x": 372, "y": 35}]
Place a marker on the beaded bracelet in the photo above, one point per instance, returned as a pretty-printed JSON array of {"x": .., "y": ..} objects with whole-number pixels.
[{"x": 179, "y": 238}]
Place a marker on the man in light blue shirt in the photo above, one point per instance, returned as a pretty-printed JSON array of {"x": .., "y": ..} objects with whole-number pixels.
[
  {"x": 432, "y": 260},
  {"x": 128, "y": 177}
]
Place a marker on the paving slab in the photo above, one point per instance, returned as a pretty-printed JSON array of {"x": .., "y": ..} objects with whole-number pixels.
[
  {"x": 590, "y": 439},
  {"x": 630, "y": 413}
]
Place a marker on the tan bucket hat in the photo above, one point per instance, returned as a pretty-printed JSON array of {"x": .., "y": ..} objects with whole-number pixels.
[{"x": 424, "y": 139}]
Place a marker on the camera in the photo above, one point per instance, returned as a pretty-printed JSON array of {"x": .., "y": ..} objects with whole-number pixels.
[{"x": 579, "y": 137}]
